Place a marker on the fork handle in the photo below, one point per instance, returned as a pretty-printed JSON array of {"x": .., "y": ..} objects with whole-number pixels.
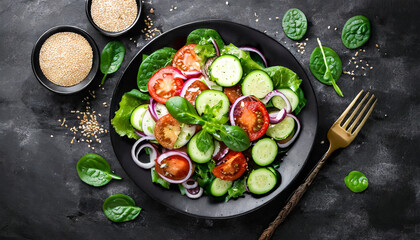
[{"x": 295, "y": 198}]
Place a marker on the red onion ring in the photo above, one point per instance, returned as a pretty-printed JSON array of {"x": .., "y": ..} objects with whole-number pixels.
[
  {"x": 134, "y": 156},
  {"x": 192, "y": 74},
  {"x": 153, "y": 155},
  {"x": 206, "y": 66},
  {"x": 280, "y": 94},
  {"x": 215, "y": 46},
  {"x": 252, "y": 49},
  {"x": 187, "y": 84},
  {"x": 187, "y": 184},
  {"x": 288, "y": 143},
  {"x": 194, "y": 196},
  {"x": 172, "y": 153},
  {"x": 232, "y": 110},
  {"x": 221, "y": 153},
  {"x": 152, "y": 109},
  {"x": 277, "y": 116},
  {"x": 140, "y": 133}
]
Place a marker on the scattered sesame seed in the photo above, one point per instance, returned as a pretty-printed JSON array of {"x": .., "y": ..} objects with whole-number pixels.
[
  {"x": 329, "y": 27},
  {"x": 256, "y": 20},
  {"x": 377, "y": 45},
  {"x": 371, "y": 68},
  {"x": 52, "y": 136},
  {"x": 352, "y": 78},
  {"x": 322, "y": 142},
  {"x": 335, "y": 29},
  {"x": 227, "y": 3}
]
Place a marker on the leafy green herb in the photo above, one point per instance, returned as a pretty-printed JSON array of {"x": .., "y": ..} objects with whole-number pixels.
[
  {"x": 95, "y": 170},
  {"x": 302, "y": 101},
  {"x": 247, "y": 63},
  {"x": 183, "y": 111},
  {"x": 157, "y": 179},
  {"x": 182, "y": 190},
  {"x": 234, "y": 137},
  {"x": 356, "y": 32},
  {"x": 120, "y": 208},
  {"x": 294, "y": 24},
  {"x": 157, "y": 60},
  {"x": 356, "y": 181},
  {"x": 237, "y": 190},
  {"x": 325, "y": 65},
  {"x": 111, "y": 58},
  {"x": 283, "y": 77},
  {"x": 121, "y": 121},
  {"x": 204, "y": 141},
  {"x": 203, "y": 36},
  {"x": 203, "y": 172}
]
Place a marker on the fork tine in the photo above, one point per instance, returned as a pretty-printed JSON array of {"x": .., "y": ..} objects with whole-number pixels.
[
  {"x": 361, "y": 114},
  {"x": 364, "y": 119},
  {"x": 355, "y": 111},
  {"x": 348, "y": 108}
]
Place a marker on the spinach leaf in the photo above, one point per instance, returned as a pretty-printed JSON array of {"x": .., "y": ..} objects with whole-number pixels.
[
  {"x": 294, "y": 24},
  {"x": 326, "y": 66},
  {"x": 157, "y": 179},
  {"x": 182, "y": 189},
  {"x": 203, "y": 173},
  {"x": 95, "y": 170},
  {"x": 237, "y": 190},
  {"x": 143, "y": 57},
  {"x": 183, "y": 111},
  {"x": 121, "y": 121},
  {"x": 356, "y": 32},
  {"x": 283, "y": 77},
  {"x": 120, "y": 208},
  {"x": 111, "y": 58},
  {"x": 234, "y": 137},
  {"x": 157, "y": 60},
  {"x": 204, "y": 52},
  {"x": 203, "y": 36},
  {"x": 302, "y": 101},
  {"x": 247, "y": 63},
  {"x": 204, "y": 141}
]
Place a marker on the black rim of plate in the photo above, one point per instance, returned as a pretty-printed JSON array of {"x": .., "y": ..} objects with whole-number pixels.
[
  {"x": 108, "y": 33},
  {"x": 40, "y": 75},
  {"x": 206, "y": 206}
]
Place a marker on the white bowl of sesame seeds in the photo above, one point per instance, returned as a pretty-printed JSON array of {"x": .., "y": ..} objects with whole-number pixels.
[{"x": 65, "y": 59}]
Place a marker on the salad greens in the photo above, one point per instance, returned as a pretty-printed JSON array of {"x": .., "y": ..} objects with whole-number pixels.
[
  {"x": 237, "y": 190},
  {"x": 283, "y": 77},
  {"x": 294, "y": 24},
  {"x": 248, "y": 64},
  {"x": 157, "y": 179},
  {"x": 203, "y": 36},
  {"x": 204, "y": 141},
  {"x": 155, "y": 61},
  {"x": 356, "y": 32},
  {"x": 204, "y": 175},
  {"x": 326, "y": 66},
  {"x": 121, "y": 121},
  {"x": 356, "y": 181},
  {"x": 111, "y": 58},
  {"x": 120, "y": 208},
  {"x": 95, "y": 170}
]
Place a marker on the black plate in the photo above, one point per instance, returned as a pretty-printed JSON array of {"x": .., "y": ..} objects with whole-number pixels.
[
  {"x": 50, "y": 85},
  {"x": 206, "y": 206}
]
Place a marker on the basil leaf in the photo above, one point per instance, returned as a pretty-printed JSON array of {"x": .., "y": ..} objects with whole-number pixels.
[
  {"x": 157, "y": 179},
  {"x": 157, "y": 60},
  {"x": 120, "y": 208},
  {"x": 203, "y": 36},
  {"x": 183, "y": 111},
  {"x": 283, "y": 77},
  {"x": 95, "y": 170},
  {"x": 294, "y": 24},
  {"x": 237, "y": 190},
  {"x": 247, "y": 63},
  {"x": 204, "y": 141},
  {"x": 356, "y": 32},
  {"x": 111, "y": 58},
  {"x": 235, "y": 138}
]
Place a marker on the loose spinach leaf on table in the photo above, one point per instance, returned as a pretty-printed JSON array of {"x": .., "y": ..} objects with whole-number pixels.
[
  {"x": 237, "y": 190},
  {"x": 247, "y": 63},
  {"x": 294, "y": 24},
  {"x": 95, "y": 170},
  {"x": 204, "y": 141},
  {"x": 326, "y": 66},
  {"x": 283, "y": 77},
  {"x": 111, "y": 58},
  {"x": 356, "y": 32},
  {"x": 157, "y": 60},
  {"x": 157, "y": 179},
  {"x": 120, "y": 208}
]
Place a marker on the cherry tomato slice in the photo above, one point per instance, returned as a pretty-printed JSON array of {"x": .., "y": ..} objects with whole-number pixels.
[
  {"x": 233, "y": 93},
  {"x": 194, "y": 90},
  {"x": 167, "y": 130},
  {"x": 233, "y": 167},
  {"x": 174, "y": 167},
  {"x": 186, "y": 59},
  {"x": 252, "y": 116},
  {"x": 165, "y": 83}
]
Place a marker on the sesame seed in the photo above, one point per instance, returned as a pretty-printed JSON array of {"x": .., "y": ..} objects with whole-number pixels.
[
  {"x": 329, "y": 27},
  {"x": 114, "y": 15}
]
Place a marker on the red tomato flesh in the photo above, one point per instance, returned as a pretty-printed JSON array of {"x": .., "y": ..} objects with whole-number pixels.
[
  {"x": 252, "y": 116},
  {"x": 232, "y": 168},
  {"x": 186, "y": 59},
  {"x": 194, "y": 90},
  {"x": 174, "y": 167},
  {"x": 167, "y": 130},
  {"x": 165, "y": 83},
  {"x": 233, "y": 93}
]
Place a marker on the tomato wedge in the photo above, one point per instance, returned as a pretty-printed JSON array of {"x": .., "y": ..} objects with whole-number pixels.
[
  {"x": 194, "y": 90},
  {"x": 186, "y": 59},
  {"x": 165, "y": 83},
  {"x": 232, "y": 168},
  {"x": 233, "y": 93},
  {"x": 167, "y": 130},
  {"x": 174, "y": 167},
  {"x": 252, "y": 116}
]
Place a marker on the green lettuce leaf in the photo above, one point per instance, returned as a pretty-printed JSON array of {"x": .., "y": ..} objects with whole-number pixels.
[
  {"x": 302, "y": 101},
  {"x": 283, "y": 77},
  {"x": 237, "y": 190},
  {"x": 247, "y": 63},
  {"x": 157, "y": 179},
  {"x": 204, "y": 175}
]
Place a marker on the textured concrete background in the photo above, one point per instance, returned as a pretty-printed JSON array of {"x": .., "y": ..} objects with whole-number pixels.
[{"x": 42, "y": 197}]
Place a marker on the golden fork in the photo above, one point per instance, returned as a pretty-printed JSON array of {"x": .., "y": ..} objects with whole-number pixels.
[{"x": 339, "y": 136}]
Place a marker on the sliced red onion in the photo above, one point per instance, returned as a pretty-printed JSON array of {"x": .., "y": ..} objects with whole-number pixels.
[
  {"x": 192, "y": 74},
  {"x": 280, "y": 94},
  {"x": 172, "y": 153},
  {"x": 152, "y": 156},
  {"x": 277, "y": 116},
  {"x": 288, "y": 143},
  {"x": 206, "y": 67},
  {"x": 190, "y": 184},
  {"x": 252, "y": 49},
  {"x": 152, "y": 109},
  {"x": 232, "y": 110},
  {"x": 222, "y": 152},
  {"x": 246, "y": 185},
  {"x": 194, "y": 194},
  {"x": 187, "y": 84},
  {"x": 140, "y": 133},
  {"x": 215, "y": 46},
  {"x": 134, "y": 153}
]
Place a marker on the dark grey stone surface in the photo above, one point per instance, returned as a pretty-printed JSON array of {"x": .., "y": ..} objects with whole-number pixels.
[{"x": 43, "y": 198}]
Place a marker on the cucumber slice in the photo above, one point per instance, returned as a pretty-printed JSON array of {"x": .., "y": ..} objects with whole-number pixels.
[
  {"x": 211, "y": 98},
  {"x": 161, "y": 110},
  {"x": 282, "y": 129},
  {"x": 148, "y": 124},
  {"x": 257, "y": 83},
  {"x": 219, "y": 187},
  {"x": 137, "y": 116},
  {"x": 187, "y": 131},
  {"x": 197, "y": 155},
  {"x": 264, "y": 151},
  {"x": 261, "y": 181},
  {"x": 293, "y": 98},
  {"x": 226, "y": 70}
]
